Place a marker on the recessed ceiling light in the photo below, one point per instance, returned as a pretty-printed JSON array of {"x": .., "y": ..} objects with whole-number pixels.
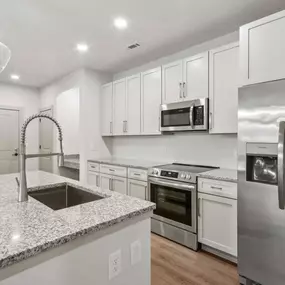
[
  {"x": 82, "y": 47},
  {"x": 120, "y": 23},
  {"x": 15, "y": 76}
]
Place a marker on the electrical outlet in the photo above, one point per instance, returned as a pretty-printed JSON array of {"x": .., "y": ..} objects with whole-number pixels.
[
  {"x": 115, "y": 264},
  {"x": 136, "y": 252}
]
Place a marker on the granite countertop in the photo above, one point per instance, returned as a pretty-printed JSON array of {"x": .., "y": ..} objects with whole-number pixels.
[
  {"x": 221, "y": 174},
  {"x": 29, "y": 228},
  {"x": 143, "y": 164}
]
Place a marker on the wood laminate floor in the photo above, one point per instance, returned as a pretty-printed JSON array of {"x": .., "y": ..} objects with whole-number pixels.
[{"x": 172, "y": 264}]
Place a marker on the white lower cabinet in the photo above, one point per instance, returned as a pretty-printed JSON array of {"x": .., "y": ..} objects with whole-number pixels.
[
  {"x": 105, "y": 181},
  {"x": 113, "y": 183},
  {"x": 119, "y": 184},
  {"x": 93, "y": 178},
  {"x": 217, "y": 223},
  {"x": 137, "y": 188}
]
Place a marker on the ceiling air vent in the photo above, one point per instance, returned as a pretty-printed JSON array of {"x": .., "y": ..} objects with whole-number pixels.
[{"x": 136, "y": 45}]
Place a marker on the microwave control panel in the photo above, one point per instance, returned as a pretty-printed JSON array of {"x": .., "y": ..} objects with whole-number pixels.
[{"x": 199, "y": 116}]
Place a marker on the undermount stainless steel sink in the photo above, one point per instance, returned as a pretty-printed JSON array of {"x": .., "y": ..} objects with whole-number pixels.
[{"x": 65, "y": 196}]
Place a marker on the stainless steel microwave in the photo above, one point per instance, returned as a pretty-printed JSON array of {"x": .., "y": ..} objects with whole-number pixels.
[{"x": 185, "y": 116}]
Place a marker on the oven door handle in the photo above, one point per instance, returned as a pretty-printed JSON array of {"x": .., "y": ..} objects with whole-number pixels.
[{"x": 176, "y": 185}]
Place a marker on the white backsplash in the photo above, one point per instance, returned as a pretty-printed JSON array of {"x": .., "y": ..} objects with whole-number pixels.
[{"x": 194, "y": 148}]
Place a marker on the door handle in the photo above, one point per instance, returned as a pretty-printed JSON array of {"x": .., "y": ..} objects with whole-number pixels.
[
  {"x": 281, "y": 194},
  {"x": 191, "y": 117}
]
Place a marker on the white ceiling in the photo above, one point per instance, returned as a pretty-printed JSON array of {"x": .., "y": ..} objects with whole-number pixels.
[{"x": 42, "y": 33}]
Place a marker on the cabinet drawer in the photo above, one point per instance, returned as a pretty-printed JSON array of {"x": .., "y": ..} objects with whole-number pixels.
[
  {"x": 218, "y": 188},
  {"x": 93, "y": 166},
  {"x": 139, "y": 174},
  {"x": 113, "y": 170}
]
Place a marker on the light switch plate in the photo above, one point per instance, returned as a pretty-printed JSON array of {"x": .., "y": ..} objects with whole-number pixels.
[
  {"x": 115, "y": 264},
  {"x": 136, "y": 252}
]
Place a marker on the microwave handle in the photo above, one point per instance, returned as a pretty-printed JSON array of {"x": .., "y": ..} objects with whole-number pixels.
[
  {"x": 191, "y": 114},
  {"x": 281, "y": 154}
]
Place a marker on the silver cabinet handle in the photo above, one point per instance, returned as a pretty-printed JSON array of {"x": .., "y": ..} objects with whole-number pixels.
[
  {"x": 217, "y": 188},
  {"x": 281, "y": 154},
  {"x": 110, "y": 186},
  {"x": 191, "y": 116},
  {"x": 97, "y": 181},
  {"x": 211, "y": 120},
  {"x": 137, "y": 174},
  {"x": 112, "y": 170},
  {"x": 111, "y": 127},
  {"x": 184, "y": 90},
  {"x": 180, "y": 90},
  {"x": 126, "y": 126},
  {"x": 123, "y": 126}
]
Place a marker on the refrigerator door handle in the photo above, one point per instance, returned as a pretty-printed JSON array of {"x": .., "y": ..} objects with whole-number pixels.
[{"x": 281, "y": 141}]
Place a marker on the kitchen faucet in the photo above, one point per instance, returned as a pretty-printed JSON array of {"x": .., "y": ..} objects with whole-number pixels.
[{"x": 23, "y": 192}]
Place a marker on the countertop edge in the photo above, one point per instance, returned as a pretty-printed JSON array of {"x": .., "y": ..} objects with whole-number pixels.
[
  {"x": 220, "y": 178},
  {"x": 33, "y": 251}
]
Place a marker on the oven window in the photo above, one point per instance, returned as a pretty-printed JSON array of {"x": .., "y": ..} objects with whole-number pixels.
[
  {"x": 172, "y": 203},
  {"x": 175, "y": 118}
]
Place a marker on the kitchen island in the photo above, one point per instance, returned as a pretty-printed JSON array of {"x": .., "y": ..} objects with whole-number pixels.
[{"x": 102, "y": 242}]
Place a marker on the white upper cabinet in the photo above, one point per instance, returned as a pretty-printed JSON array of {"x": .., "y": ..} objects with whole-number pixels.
[
  {"x": 150, "y": 101},
  {"x": 133, "y": 116},
  {"x": 223, "y": 91},
  {"x": 172, "y": 82},
  {"x": 262, "y": 46},
  {"x": 107, "y": 109},
  {"x": 196, "y": 77},
  {"x": 119, "y": 109}
]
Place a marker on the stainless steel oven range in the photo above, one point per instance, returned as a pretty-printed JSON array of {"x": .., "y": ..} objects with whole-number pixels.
[{"x": 173, "y": 188}]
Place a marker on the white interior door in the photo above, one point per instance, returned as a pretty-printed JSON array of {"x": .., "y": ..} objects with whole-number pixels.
[
  {"x": 46, "y": 141},
  {"x": 9, "y": 142}
]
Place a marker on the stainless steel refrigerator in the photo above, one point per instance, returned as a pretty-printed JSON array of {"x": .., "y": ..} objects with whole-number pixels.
[{"x": 261, "y": 197}]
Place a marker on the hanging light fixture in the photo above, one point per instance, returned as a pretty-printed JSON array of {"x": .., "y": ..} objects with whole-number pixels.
[{"x": 5, "y": 55}]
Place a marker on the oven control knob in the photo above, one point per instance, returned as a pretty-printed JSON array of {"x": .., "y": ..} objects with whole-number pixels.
[
  {"x": 188, "y": 176},
  {"x": 183, "y": 176}
]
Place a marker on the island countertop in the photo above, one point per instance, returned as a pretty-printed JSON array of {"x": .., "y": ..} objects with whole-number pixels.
[{"x": 29, "y": 228}]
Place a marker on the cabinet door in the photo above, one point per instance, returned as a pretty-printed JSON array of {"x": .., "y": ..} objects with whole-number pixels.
[
  {"x": 224, "y": 72},
  {"x": 93, "y": 179},
  {"x": 137, "y": 188},
  {"x": 105, "y": 181},
  {"x": 196, "y": 76},
  {"x": 119, "y": 107},
  {"x": 107, "y": 109},
  {"x": 217, "y": 223},
  {"x": 133, "y": 119},
  {"x": 151, "y": 101},
  {"x": 262, "y": 46},
  {"x": 172, "y": 82},
  {"x": 119, "y": 184}
]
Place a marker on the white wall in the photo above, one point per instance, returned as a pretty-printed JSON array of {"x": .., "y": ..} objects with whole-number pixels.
[
  {"x": 91, "y": 144},
  {"x": 197, "y": 148},
  {"x": 68, "y": 114},
  {"x": 28, "y": 100}
]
